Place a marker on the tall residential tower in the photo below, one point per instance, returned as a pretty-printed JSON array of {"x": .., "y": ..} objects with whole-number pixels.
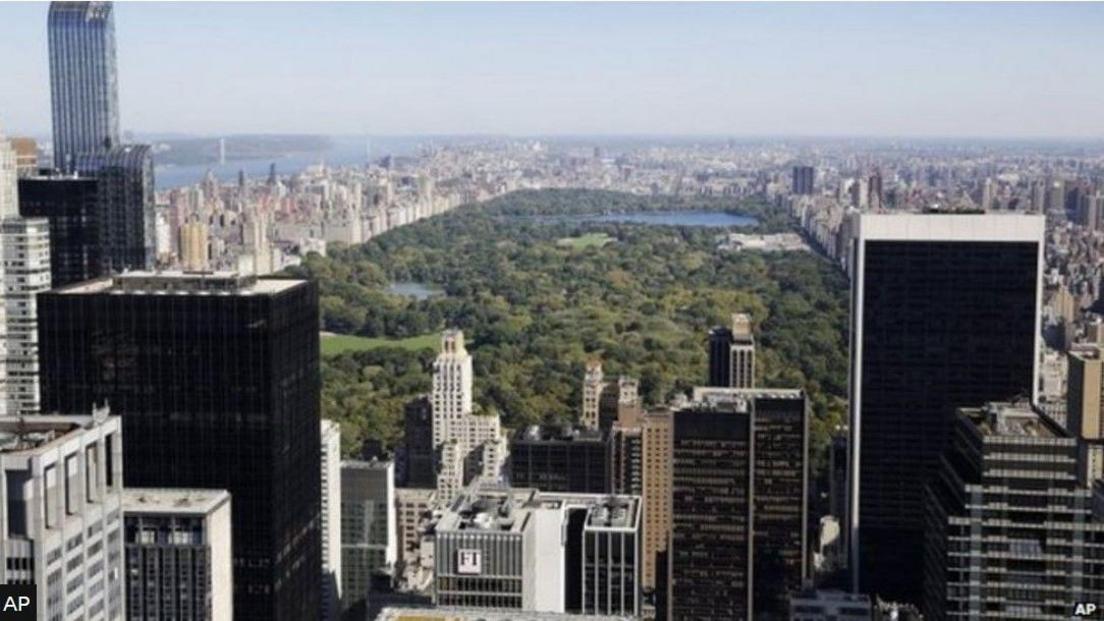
[{"x": 83, "y": 79}]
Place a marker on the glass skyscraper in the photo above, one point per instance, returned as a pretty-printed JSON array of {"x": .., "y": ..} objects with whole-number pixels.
[
  {"x": 216, "y": 379},
  {"x": 83, "y": 79},
  {"x": 945, "y": 314}
]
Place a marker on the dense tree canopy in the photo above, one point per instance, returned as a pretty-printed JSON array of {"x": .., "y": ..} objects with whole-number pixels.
[{"x": 535, "y": 310}]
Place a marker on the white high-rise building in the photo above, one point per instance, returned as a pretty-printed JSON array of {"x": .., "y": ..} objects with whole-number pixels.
[
  {"x": 25, "y": 247},
  {"x": 460, "y": 437},
  {"x": 331, "y": 520},
  {"x": 9, "y": 199},
  {"x": 63, "y": 520},
  {"x": 452, "y": 387}
]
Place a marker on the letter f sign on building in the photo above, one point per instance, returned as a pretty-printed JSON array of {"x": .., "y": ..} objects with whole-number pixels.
[{"x": 17, "y": 602}]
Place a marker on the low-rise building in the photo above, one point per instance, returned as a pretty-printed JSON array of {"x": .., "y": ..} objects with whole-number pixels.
[{"x": 179, "y": 559}]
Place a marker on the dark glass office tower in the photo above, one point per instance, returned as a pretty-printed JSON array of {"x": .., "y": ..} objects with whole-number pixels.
[
  {"x": 780, "y": 487},
  {"x": 216, "y": 379},
  {"x": 83, "y": 79},
  {"x": 711, "y": 550},
  {"x": 720, "y": 356},
  {"x": 781, "y": 497},
  {"x": 126, "y": 221},
  {"x": 560, "y": 459},
  {"x": 70, "y": 204},
  {"x": 945, "y": 314}
]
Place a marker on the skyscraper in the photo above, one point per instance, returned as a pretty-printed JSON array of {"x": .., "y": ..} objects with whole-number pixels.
[
  {"x": 732, "y": 354},
  {"x": 944, "y": 314},
  {"x": 803, "y": 177},
  {"x": 1011, "y": 533},
  {"x": 711, "y": 543},
  {"x": 127, "y": 226},
  {"x": 216, "y": 379},
  {"x": 25, "y": 244},
  {"x": 71, "y": 205},
  {"x": 467, "y": 444},
  {"x": 331, "y": 520},
  {"x": 1085, "y": 409},
  {"x": 720, "y": 356},
  {"x": 777, "y": 483},
  {"x": 560, "y": 459},
  {"x": 83, "y": 80},
  {"x": 369, "y": 541}
]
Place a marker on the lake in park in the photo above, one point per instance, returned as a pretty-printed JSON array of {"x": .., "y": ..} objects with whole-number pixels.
[{"x": 416, "y": 290}]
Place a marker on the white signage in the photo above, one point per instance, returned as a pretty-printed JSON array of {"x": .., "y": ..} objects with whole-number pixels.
[{"x": 469, "y": 562}]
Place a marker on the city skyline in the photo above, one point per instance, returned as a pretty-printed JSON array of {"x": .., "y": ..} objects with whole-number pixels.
[{"x": 535, "y": 69}]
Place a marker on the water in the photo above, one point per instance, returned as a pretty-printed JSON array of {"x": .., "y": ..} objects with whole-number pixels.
[
  {"x": 343, "y": 151},
  {"x": 710, "y": 219},
  {"x": 416, "y": 290}
]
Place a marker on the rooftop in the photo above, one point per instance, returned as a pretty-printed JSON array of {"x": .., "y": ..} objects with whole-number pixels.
[
  {"x": 558, "y": 433},
  {"x": 503, "y": 509},
  {"x": 27, "y": 434},
  {"x": 445, "y": 613},
  {"x": 714, "y": 396},
  {"x": 173, "y": 500},
  {"x": 1012, "y": 419},
  {"x": 178, "y": 282}
]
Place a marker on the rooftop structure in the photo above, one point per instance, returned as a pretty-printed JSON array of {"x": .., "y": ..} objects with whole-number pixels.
[{"x": 183, "y": 283}]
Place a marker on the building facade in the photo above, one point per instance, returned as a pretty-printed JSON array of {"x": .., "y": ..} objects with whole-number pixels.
[
  {"x": 466, "y": 444},
  {"x": 369, "y": 544},
  {"x": 560, "y": 459},
  {"x": 84, "y": 88},
  {"x": 1084, "y": 413},
  {"x": 331, "y": 519},
  {"x": 178, "y": 554},
  {"x": 1011, "y": 532},
  {"x": 519, "y": 549},
  {"x": 126, "y": 222},
  {"x": 63, "y": 520},
  {"x": 747, "y": 448},
  {"x": 71, "y": 205},
  {"x": 803, "y": 180},
  {"x": 216, "y": 379},
  {"x": 25, "y": 247},
  {"x": 945, "y": 313}
]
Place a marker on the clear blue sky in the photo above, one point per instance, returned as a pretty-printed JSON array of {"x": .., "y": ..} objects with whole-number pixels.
[{"x": 730, "y": 69}]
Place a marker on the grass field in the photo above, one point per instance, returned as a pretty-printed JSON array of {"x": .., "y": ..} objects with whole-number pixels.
[
  {"x": 589, "y": 240},
  {"x": 338, "y": 343}
]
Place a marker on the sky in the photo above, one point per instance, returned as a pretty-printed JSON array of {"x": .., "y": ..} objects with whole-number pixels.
[{"x": 746, "y": 69}]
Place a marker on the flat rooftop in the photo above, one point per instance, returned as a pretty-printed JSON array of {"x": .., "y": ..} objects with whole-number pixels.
[
  {"x": 558, "y": 433},
  {"x": 173, "y": 500},
  {"x": 716, "y": 395},
  {"x": 506, "y": 509},
  {"x": 1012, "y": 420},
  {"x": 481, "y": 614},
  {"x": 952, "y": 226},
  {"x": 30, "y": 433},
  {"x": 182, "y": 283}
]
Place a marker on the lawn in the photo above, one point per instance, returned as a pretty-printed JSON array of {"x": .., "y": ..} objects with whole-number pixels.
[
  {"x": 589, "y": 240},
  {"x": 338, "y": 343}
]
